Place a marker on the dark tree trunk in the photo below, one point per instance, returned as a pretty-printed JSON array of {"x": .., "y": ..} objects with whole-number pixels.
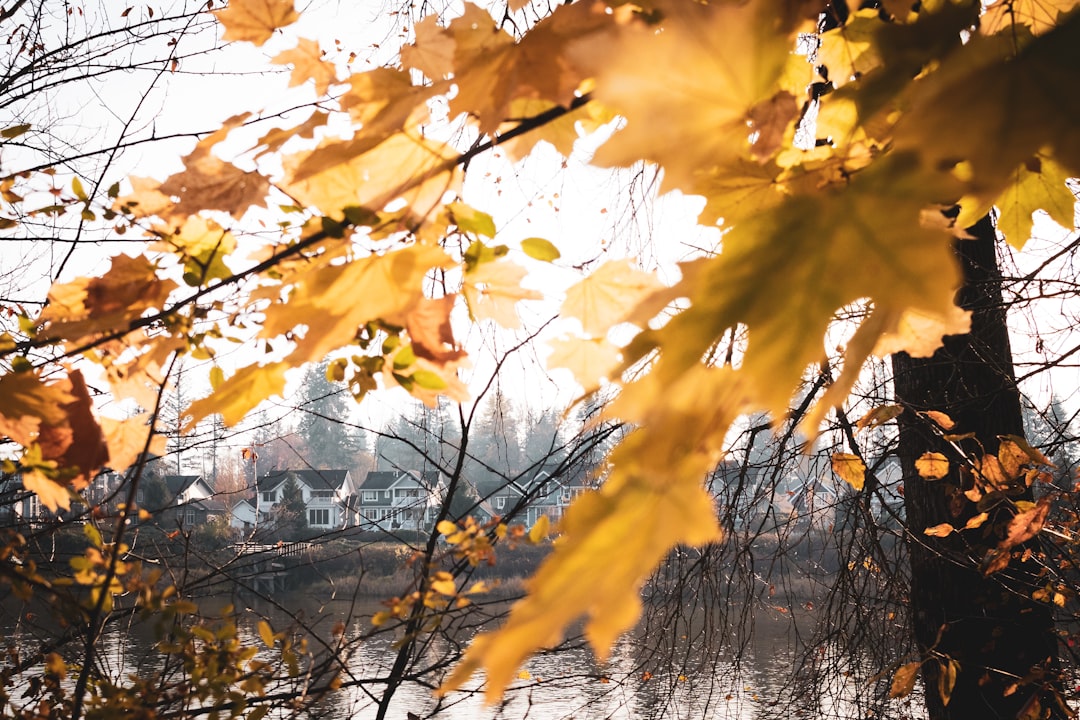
[{"x": 1001, "y": 639}]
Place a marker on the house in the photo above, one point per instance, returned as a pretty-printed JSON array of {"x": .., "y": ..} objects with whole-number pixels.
[
  {"x": 398, "y": 500},
  {"x": 325, "y": 494},
  {"x": 540, "y": 490},
  {"x": 188, "y": 501},
  {"x": 243, "y": 516}
]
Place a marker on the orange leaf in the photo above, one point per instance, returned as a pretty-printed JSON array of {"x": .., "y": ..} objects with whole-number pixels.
[
  {"x": 1026, "y": 525},
  {"x": 903, "y": 681},
  {"x": 430, "y": 331},
  {"x": 939, "y": 418},
  {"x": 942, "y": 530},
  {"x": 77, "y": 446},
  {"x": 307, "y": 62},
  {"x": 52, "y": 494},
  {"x": 255, "y": 20},
  {"x": 932, "y": 466}
]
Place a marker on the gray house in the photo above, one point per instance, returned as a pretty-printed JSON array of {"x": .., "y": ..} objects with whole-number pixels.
[{"x": 397, "y": 500}]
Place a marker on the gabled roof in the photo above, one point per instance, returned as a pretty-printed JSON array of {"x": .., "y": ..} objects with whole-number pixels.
[
  {"x": 177, "y": 484},
  {"x": 379, "y": 480},
  {"x": 314, "y": 479},
  {"x": 385, "y": 479}
]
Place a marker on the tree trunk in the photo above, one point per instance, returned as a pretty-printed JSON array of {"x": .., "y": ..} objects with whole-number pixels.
[{"x": 1000, "y": 642}]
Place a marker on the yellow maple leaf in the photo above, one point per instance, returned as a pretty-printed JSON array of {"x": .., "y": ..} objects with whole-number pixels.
[
  {"x": 849, "y": 468},
  {"x": 1038, "y": 184},
  {"x": 613, "y": 538},
  {"x": 432, "y": 49},
  {"x": 919, "y": 333},
  {"x": 589, "y": 359},
  {"x": 1038, "y": 15},
  {"x": 255, "y": 20},
  {"x": 276, "y": 138},
  {"x": 334, "y": 300},
  {"x": 406, "y": 165},
  {"x": 932, "y": 466},
  {"x": 493, "y": 289},
  {"x": 850, "y": 50},
  {"x": 739, "y": 53},
  {"x": 127, "y": 439},
  {"x": 762, "y": 278},
  {"x": 957, "y": 115},
  {"x": 560, "y": 133},
  {"x": 608, "y": 296},
  {"x": 491, "y": 70},
  {"x": 240, "y": 393},
  {"x": 308, "y": 64}
]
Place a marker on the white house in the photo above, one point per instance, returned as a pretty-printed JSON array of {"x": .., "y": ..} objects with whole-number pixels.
[
  {"x": 243, "y": 515},
  {"x": 325, "y": 494}
]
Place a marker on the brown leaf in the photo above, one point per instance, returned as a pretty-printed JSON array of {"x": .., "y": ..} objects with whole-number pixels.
[
  {"x": 903, "y": 681},
  {"x": 88, "y": 306},
  {"x": 429, "y": 328},
  {"x": 209, "y": 183},
  {"x": 78, "y": 446},
  {"x": 947, "y": 679},
  {"x": 770, "y": 119},
  {"x": 1026, "y": 525}
]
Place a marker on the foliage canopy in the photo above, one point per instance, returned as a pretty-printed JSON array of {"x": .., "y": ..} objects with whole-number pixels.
[{"x": 840, "y": 164}]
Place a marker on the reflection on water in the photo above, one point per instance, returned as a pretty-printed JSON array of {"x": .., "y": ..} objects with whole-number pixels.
[{"x": 687, "y": 680}]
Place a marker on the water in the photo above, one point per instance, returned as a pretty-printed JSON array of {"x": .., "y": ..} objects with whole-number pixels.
[{"x": 706, "y": 675}]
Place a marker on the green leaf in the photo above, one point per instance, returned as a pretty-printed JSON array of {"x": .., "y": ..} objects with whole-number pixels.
[
  {"x": 471, "y": 220},
  {"x": 429, "y": 380},
  {"x": 540, "y": 249}
]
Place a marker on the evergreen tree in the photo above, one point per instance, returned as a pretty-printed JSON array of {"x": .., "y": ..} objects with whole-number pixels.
[{"x": 328, "y": 440}]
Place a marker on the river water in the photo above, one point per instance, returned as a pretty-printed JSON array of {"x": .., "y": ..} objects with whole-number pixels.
[{"x": 714, "y": 680}]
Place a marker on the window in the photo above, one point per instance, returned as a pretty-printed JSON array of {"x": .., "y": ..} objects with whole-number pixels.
[
  {"x": 189, "y": 518},
  {"x": 319, "y": 517},
  {"x": 371, "y": 495},
  {"x": 500, "y": 503},
  {"x": 322, "y": 494},
  {"x": 269, "y": 496}
]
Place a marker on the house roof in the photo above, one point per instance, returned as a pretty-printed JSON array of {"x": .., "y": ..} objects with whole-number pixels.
[
  {"x": 179, "y": 483},
  {"x": 384, "y": 479},
  {"x": 315, "y": 479}
]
